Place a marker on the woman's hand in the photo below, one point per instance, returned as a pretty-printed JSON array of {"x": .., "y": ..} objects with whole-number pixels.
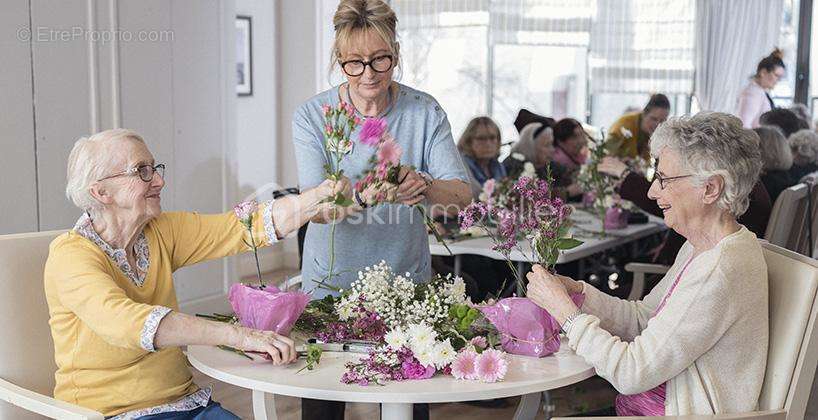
[
  {"x": 411, "y": 188},
  {"x": 280, "y": 348},
  {"x": 549, "y": 292},
  {"x": 611, "y": 166},
  {"x": 326, "y": 210}
]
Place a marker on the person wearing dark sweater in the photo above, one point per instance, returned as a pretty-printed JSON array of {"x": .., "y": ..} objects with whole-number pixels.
[
  {"x": 634, "y": 187},
  {"x": 804, "y": 148},
  {"x": 777, "y": 158}
]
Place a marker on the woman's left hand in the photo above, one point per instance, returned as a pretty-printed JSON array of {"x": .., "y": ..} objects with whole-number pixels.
[
  {"x": 412, "y": 187},
  {"x": 549, "y": 292}
]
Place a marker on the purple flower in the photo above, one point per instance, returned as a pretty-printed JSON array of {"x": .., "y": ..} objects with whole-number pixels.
[
  {"x": 414, "y": 370},
  {"x": 372, "y": 131},
  {"x": 472, "y": 214}
]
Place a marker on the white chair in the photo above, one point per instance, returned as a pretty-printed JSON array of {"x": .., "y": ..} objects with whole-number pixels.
[
  {"x": 27, "y": 354},
  {"x": 788, "y": 218},
  {"x": 793, "y": 351}
]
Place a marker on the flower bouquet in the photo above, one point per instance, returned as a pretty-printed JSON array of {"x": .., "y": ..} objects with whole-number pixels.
[
  {"x": 532, "y": 213},
  {"x": 416, "y": 330},
  {"x": 262, "y": 306},
  {"x": 598, "y": 187}
]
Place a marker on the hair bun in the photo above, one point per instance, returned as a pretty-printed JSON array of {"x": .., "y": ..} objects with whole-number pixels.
[{"x": 777, "y": 53}]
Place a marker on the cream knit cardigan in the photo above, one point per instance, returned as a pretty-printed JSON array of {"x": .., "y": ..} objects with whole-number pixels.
[{"x": 709, "y": 342}]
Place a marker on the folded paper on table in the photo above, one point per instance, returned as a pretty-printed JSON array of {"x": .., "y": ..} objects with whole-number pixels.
[{"x": 267, "y": 309}]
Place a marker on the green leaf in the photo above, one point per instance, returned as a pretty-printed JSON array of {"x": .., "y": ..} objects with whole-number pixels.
[
  {"x": 563, "y": 230},
  {"x": 568, "y": 243}
]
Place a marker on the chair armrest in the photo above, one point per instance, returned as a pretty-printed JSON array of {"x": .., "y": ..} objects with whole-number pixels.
[
  {"x": 646, "y": 268},
  {"x": 291, "y": 283},
  {"x": 756, "y": 415},
  {"x": 44, "y": 405}
]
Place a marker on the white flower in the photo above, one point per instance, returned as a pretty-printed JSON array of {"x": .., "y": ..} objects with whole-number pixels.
[
  {"x": 425, "y": 356},
  {"x": 395, "y": 338},
  {"x": 518, "y": 156},
  {"x": 421, "y": 337},
  {"x": 528, "y": 170},
  {"x": 344, "y": 312},
  {"x": 626, "y": 133},
  {"x": 444, "y": 354}
]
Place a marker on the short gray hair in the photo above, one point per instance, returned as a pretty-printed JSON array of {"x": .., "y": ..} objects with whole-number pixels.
[
  {"x": 527, "y": 144},
  {"x": 804, "y": 143},
  {"x": 775, "y": 151},
  {"x": 714, "y": 143},
  {"x": 88, "y": 162}
]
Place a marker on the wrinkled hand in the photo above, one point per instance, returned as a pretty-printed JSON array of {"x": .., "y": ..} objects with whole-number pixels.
[
  {"x": 385, "y": 193},
  {"x": 611, "y": 166},
  {"x": 327, "y": 210},
  {"x": 549, "y": 292},
  {"x": 280, "y": 348},
  {"x": 412, "y": 188}
]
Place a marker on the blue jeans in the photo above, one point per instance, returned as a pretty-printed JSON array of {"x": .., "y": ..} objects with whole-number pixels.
[{"x": 213, "y": 411}]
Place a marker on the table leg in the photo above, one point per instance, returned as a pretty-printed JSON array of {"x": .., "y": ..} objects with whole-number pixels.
[
  {"x": 264, "y": 406},
  {"x": 458, "y": 265},
  {"x": 396, "y": 411},
  {"x": 529, "y": 407}
]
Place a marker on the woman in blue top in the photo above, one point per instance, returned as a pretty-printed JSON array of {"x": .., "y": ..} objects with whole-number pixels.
[
  {"x": 367, "y": 51},
  {"x": 479, "y": 147}
]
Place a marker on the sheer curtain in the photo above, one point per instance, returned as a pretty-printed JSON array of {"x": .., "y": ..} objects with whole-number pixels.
[{"x": 731, "y": 37}]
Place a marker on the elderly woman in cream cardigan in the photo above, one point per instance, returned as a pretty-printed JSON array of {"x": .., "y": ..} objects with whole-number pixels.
[{"x": 697, "y": 343}]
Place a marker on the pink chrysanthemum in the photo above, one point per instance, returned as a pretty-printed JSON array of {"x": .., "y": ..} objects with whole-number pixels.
[
  {"x": 389, "y": 152},
  {"x": 244, "y": 211},
  {"x": 372, "y": 131},
  {"x": 491, "y": 366},
  {"x": 464, "y": 366}
]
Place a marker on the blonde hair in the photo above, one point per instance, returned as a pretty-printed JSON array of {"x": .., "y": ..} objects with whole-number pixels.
[
  {"x": 464, "y": 144},
  {"x": 88, "y": 162},
  {"x": 356, "y": 15}
]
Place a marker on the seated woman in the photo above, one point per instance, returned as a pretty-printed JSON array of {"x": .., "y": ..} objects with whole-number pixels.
[
  {"x": 536, "y": 147},
  {"x": 114, "y": 317},
  {"x": 697, "y": 344},
  {"x": 570, "y": 144},
  {"x": 804, "y": 148},
  {"x": 630, "y": 134},
  {"x": 777, "y": 161},
  {"x": 479, "y": 147}
]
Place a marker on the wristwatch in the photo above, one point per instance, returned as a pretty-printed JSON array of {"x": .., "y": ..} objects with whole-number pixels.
[{"x": 566, "y": 326}]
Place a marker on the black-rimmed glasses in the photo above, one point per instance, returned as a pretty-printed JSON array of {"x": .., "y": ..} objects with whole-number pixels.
[
  {"x": 664, "y": 180},
  {"x": 145, "y": 172},
  {"x": 355, "y": 68}
]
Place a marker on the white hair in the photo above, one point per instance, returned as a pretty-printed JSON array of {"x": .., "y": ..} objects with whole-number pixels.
[
  {"x": 89, "y": 161},
  {"x": 527, "y": 144},
  {"x": 714, "y": 143},
  {"x": 804, "y": 143}
]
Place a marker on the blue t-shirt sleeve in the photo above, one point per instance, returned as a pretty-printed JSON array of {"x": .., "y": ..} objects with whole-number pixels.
[
  {"x": 309, "y": 149},
  {"x": 442, "y": 157}
]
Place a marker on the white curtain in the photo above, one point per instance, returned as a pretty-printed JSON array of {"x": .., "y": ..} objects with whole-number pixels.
[{"x": 731, "y": 37}]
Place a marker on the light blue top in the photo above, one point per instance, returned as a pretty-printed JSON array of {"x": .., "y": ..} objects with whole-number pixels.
[{"x": 395, "y": 233}]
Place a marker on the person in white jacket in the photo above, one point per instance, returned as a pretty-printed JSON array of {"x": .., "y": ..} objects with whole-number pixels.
[
  {"x": 755, "y": 99},
  {"x": 697, "y": 343}
]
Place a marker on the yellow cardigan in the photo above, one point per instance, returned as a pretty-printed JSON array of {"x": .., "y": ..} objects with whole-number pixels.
[
  {"x": 618, "y": 143},
  {"x": 97, "y": 313}
]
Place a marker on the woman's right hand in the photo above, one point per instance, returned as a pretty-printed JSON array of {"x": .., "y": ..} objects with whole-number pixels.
[
  {"x": 327, "y": 210},
  {"x": 280, "y": 348},
  {"x": 611, "y": 166}
]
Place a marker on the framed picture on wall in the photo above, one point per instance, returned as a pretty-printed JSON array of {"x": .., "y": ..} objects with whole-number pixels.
[{"x": 244, "y": 55}]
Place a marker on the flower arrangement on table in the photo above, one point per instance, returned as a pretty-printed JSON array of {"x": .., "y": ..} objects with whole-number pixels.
[
  {"x": 598, "y": 187},
  {"x": 416, "y": 330}
]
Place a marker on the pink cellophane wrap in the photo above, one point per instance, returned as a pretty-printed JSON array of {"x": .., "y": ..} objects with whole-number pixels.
[
  {"x": 525, "y": 328},
  {"x": 267, "y": 309}
]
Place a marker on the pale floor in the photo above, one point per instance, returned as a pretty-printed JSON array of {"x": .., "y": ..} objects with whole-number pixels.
[{"x": 588, "y": 395}]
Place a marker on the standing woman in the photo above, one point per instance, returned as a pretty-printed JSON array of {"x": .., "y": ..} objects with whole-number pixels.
[
  {"x": 367, "y": 51},
  {"x": 755, "y": 100}
]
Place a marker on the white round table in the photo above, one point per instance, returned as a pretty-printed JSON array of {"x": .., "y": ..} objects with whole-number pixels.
[{"x": 527, "y": 376}]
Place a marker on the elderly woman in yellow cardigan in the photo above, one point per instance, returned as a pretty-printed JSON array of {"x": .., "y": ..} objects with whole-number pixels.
[{"x": 115, "y": 321}]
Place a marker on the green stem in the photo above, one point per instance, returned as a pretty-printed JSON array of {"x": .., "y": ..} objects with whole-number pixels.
[{"x": 255, "y": 254}]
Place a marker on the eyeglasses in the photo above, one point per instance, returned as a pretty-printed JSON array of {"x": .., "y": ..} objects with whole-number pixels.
[
  {"x": 486, "y": 139},
  {"x": 664, "y": 180},
  {"x": 355, "y": 68},
  {"x": 145, "y": 172}
]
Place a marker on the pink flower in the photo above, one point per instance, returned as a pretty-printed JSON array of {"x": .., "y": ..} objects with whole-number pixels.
[
  {"x": 390, "y": 152},
  {"x": 479, "y": 342},
  {"x": 372, "y": 131},
  {"x": 326, "y": 109},
  {"x": 244, "y": 211},
  {"x": 488, "y": 188},
  {"x": 464, "y": 366},
  {"x": 414, "y": 370},
  {"x": 328, "y": 130},
  {"x": 491, "y": 366}
]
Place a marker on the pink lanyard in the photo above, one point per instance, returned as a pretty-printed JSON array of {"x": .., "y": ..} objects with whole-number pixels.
[{"x": 672, "y": 287}]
